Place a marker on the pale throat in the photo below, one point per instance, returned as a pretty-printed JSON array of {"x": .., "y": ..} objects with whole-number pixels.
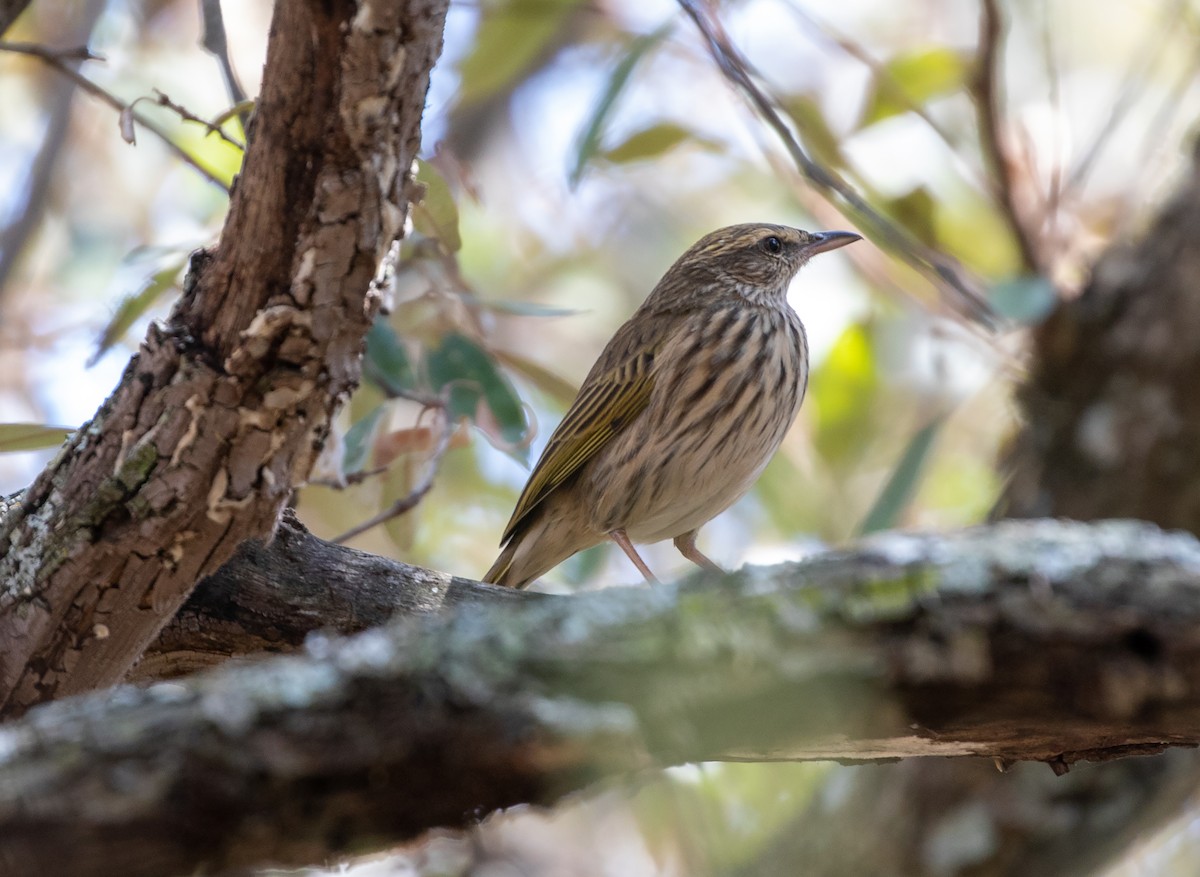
[{"x": 771, "y": 296}]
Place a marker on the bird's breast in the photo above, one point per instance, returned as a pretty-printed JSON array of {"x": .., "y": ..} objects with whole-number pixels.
[{"x": 726, "y": 389}]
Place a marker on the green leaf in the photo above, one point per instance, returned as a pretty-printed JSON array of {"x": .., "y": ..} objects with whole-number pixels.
[
  {"x": 134, "y": 306},
  {"x": 1027, "y": 300},
  {"x": 511, "y": 37},
  {"x": 31, "y": 436},
  {"x": 436, "y": 214},
  {"x": 217, "y": 156},
  {"x": 357, "y": 443},
  {"x": 913, "y": 78},
  {"x": 593, "y": 131},
  {"x": 916, "y": 211},
  {"x": 650, "y": 143},
  {"x": 387, "y": 364},
  {"x": 464, "y": 369},
  {"x": 814, "y": 130},
  {"x": 844, "y": 390},
  {"x": 901, "y": 486}
]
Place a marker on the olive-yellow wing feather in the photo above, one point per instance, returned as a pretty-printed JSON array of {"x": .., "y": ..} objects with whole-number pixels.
[{"x": 606, "y": 403}]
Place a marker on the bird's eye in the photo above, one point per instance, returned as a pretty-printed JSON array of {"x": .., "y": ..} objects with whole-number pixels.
[{"x": 772, "y": 245}]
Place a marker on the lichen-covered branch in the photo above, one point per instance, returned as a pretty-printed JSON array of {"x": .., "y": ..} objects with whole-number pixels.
[
  {"x": 1025, "y": 640},
  {"x": 224, "y": 408}
]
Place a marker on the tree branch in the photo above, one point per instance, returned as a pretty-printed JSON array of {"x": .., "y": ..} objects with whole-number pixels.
[
  {"x": 61, "y": 63},
  {"x": 968, "y": 296},
  {"x": 1040, "y": 640},
  {"x": 986, "y": 89},
  {"x": 269, "y": 598}
]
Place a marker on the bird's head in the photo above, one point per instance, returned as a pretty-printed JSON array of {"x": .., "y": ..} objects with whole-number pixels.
[{"x": 755, "y": 261}]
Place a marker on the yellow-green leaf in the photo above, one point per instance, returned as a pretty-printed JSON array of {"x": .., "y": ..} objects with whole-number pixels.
[
  {"x": 436, "y": 214},
  {"x": 843, "y": 391},
  {"x": 912, "y": 78},
  {"x": 650, "y": 142},
  {"x": 31, "y": 436},
  {"x": 916, "y": 210}
]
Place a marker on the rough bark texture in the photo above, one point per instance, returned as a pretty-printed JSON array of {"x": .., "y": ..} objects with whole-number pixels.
[
  {"x": 270, "y": 597},
  {"x": 1112, "y": 427},
  {"x": 225, "y": 407},
  {"x": 1044, "y": 640}
]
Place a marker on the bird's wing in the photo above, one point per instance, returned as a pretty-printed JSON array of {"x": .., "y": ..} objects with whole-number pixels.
[{"x": 613, "y": 394}]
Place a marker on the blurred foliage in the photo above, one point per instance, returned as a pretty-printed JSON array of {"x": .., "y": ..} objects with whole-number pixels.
[
  {"x": 911, "y": 79},
  {"x": 435, "y": 215},
  {"x": 572, "y": 151},
  {"x": 133, "y": 307},
  {"x": 509, "y": 39},
  {"x": 593, "y": 131},
  {"x": 716, "y": 817}
]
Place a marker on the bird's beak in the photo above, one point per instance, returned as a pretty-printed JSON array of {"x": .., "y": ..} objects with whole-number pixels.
[{"x": 823, "y": 241}]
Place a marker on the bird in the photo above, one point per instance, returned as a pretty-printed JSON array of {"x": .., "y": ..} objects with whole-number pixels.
[{"x": 681, "y": 412}]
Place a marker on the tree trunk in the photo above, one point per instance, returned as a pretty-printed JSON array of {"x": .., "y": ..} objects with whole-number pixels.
[{"x": 225, "y": 407}]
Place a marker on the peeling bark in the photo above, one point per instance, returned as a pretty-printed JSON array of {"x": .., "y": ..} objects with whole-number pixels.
[
  {"x": 1041, "y": 640},
  {"x": 225, "y": 407}
]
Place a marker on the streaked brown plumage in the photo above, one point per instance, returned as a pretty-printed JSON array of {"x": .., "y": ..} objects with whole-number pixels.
[{"x": 681, "y": 412}]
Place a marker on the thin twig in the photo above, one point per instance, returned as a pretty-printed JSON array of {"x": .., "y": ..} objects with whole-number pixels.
[
  {"x": 24, "y": 218},
  {"x": 54, "y": 59},
  {"x": 986, "y": 88},
  {"x": 929, "y": 262},
  {"x": 213, "y": 40},
  {"x": 163, "y": 101},
  {"x": 1053, "y": 199},
  {"x": 349, "y": 479},
  {"x": 413, "y": 497},
  {"x": 73, "y": 53}
]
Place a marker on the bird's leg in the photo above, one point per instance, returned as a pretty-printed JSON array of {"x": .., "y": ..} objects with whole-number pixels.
[
  {"x": 686, "y": 544},
  {"x": 621, "y": 539}
]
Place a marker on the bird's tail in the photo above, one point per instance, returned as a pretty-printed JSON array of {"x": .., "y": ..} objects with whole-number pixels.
[
  {"x": 541, "y": 545},
  {"x": 499, "y": 574}
]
